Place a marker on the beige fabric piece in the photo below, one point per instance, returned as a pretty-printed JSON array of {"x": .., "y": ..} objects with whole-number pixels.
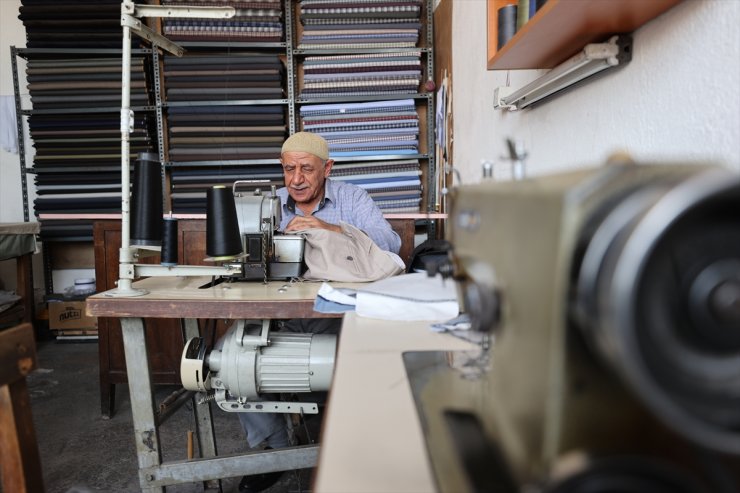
[{"x": 349, "y": 256}]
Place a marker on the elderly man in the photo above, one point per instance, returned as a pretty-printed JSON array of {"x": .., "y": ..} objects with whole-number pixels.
[{"x": 310, "y": 199}]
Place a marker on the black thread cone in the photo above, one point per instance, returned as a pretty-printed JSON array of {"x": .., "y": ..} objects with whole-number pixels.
[
  {"x": 169, "y": 241},
  {"x": 146, "y": 201},
  {"x": 222, "y": 228}
]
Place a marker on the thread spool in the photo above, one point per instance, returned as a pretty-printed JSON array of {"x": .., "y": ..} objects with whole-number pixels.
[
  {"x": 169, "y": 242},
  {"x": 506, "y": 24},
  {"x": 146, "y": 201},
  {"x": 223, "y": 241}
]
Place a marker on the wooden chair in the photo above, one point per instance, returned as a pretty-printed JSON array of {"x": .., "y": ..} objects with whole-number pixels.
[{"x": 21, "y": 464}]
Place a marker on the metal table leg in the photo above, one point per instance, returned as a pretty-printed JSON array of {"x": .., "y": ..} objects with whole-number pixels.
[
  {"x": 141, "y": 393},
  {"x": 202, "y": 413},
  {"x": 154, "y": 475}
]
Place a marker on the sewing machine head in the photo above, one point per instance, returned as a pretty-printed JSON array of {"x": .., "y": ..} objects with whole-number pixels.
[
  {"x": 267, "y": 254},
  {"x": 612, "y": 297}
]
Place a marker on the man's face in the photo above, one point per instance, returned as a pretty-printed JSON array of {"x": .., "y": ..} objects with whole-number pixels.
[{"x": 305, "y": 176}]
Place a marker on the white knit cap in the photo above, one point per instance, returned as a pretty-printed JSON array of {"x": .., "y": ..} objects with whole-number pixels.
[{"x": 307, "y": 142}]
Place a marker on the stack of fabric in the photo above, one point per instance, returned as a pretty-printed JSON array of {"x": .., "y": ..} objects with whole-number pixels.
[
  {"x": 189, "y": 185},
  {"x": 72, "y": 23},
  {"x": 382, "y": 36},
  {"x": 224, "y": 132},
  {"x": 375, "y": 128},
  {"x": 75, "y": 127},
  {"x": 395, "y": 185},
  {"x": 257, "y": 21},
  {"x": 361, "y": 25},
  {"x": 339, "y": 24},
  {"x": 362, "y": 74},
  {"x": 77, "y": 161},
  {"x": 223, "y": 77},
  {"x": 206, "y": 128},
  {"x": 83, "y": 82}
]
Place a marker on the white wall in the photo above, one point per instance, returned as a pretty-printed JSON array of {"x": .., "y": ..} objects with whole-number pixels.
[
  {"x": 678, "y": 99},
  {"x": 12, "y": 33}
]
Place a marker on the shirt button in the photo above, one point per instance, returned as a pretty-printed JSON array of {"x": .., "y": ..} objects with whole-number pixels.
[{"x": 349, "y": 257}]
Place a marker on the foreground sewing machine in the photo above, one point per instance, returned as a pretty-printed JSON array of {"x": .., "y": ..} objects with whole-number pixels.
[{"x": 612, "y": 301}]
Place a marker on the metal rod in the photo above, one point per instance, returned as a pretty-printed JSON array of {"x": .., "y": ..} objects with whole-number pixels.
[
  {"x": 124, "y": 284},
  {"x": 172, "y": 403}
]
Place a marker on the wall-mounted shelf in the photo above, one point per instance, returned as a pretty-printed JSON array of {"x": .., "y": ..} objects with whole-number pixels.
[{"x": 561, "y": 28}]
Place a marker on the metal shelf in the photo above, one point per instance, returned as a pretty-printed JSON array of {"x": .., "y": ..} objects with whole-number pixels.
[
  {"x": 30, "y": 52},
  {"x": 229, "y": 163},
  {"x": 230, "y": 102},
  {"x": 231, "y": 45},
  {"x": 81, "y": 111},
  {"x": 376, "y": 97},
  {"x": 292, "y": 57},
  {"x": 355, "y": 51}
]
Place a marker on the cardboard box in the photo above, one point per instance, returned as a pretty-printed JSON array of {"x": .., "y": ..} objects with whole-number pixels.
[{"x": 66, "y": 315}]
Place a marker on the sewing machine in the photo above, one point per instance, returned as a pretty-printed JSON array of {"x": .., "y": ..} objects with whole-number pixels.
[
  {"x": 250, "y": 359},
  {"x": 609, "y": 301},
  {"x": 267, "y": 254}
]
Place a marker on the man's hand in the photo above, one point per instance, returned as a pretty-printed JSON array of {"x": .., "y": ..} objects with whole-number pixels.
[{"x": 307, "y": 222}]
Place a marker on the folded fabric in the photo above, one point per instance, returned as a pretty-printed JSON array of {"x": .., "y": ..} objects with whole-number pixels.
[
  {"x": 409, "y": 297},
  {"x": 334, "y": 300},
  {"x": 349, "y": 256}
]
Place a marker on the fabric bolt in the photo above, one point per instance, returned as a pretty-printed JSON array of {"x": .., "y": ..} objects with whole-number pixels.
[
  {"x": 347, "y": 22},
  {"x": 377, "y": 181},
  {"x": 349, "y": 46},
  {"x": 376, "y": 176},
  {"x": 373, "y": 76},
  {"x": 360, "y": 68},
  {"x": 346, "y": 125},
  {"x": 365, "y": 107},
  {"x": 364, "y": 57},
  {"x": 364, "y": 25},
  {"x": 377, "y": 115}
]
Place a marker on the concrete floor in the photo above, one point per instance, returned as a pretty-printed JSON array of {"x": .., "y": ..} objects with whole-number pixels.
[{"x": 82, "y": 452}]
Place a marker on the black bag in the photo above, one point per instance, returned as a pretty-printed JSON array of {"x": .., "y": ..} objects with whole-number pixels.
[{"x": 428, "y": 255}]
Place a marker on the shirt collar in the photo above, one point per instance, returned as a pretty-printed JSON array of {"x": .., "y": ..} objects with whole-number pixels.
[{"x": 329, "y": 195}]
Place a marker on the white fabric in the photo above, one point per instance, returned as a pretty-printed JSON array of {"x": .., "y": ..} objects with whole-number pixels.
[
  {"x": 344, "y": 296},
  {"x": 8, "y": 124},
  {"x": 409, "y": 297}
]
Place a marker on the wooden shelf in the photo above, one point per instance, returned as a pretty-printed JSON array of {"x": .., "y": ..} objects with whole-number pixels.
[{"x": 561, "y": 28}]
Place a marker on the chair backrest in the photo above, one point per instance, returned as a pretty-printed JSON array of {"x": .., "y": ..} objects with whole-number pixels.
[{"x": 21, "y": 463}]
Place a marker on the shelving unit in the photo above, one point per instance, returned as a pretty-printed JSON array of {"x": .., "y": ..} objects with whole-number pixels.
[
  {"x": 80, "y": 154},
  {"x": 561, "y": 28},
  {"x": 423, "y": 101},
  {"x": 159, "y": 109}
]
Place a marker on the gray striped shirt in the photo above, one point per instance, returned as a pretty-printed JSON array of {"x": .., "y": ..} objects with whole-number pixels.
[{"x": 350, "y": 204}]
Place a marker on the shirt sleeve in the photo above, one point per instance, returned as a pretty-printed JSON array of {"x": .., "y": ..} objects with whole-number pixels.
[{"x": 368, "y": 217}]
